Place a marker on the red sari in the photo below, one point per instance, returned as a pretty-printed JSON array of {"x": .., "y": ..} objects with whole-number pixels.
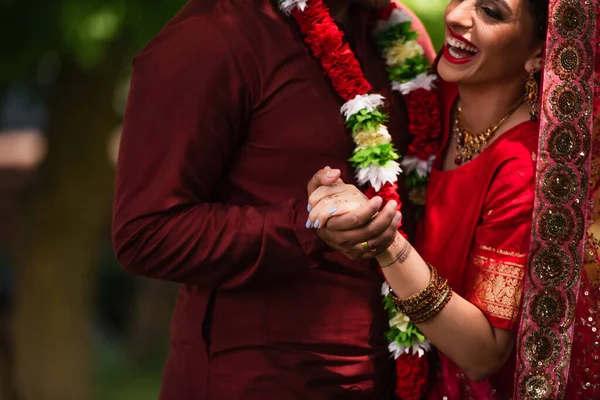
[
  {"x": 584, "y": 373},
  {"x": 476, "y": 232}
]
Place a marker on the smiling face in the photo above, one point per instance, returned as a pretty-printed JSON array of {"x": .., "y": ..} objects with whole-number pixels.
[{"x": 489, "y": 41}]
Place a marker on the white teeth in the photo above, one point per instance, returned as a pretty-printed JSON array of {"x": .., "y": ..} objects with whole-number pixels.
[
  {"x": 454, "y": 54},
  {"x": 460, "y": 44}
]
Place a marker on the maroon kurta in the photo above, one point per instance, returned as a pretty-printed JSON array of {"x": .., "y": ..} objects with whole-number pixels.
[{"x": 228, "y": 118}]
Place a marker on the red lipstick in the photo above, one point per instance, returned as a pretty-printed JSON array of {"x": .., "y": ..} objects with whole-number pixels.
[{"x": 450, "y": 57}]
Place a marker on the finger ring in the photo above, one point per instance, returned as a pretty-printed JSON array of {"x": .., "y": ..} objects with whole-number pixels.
[{"x": 365, "y": 246}]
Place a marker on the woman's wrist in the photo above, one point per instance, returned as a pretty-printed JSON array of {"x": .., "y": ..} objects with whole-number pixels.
[
  {"x": 397, "y": 252},
  {"x": 404, "y": 269}
]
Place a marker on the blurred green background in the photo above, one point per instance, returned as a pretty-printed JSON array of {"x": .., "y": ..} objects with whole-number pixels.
[{"x": 73, "y": 326}]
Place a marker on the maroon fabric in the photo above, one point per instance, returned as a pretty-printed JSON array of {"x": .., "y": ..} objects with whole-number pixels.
[{"x": 228, "y": 118}]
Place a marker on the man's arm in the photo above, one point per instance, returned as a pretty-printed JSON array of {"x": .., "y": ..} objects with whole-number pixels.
[{"x": 185, "y": 118}]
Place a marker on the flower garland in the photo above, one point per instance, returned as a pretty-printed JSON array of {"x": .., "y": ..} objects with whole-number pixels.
[{"x": 375, "y": 158}]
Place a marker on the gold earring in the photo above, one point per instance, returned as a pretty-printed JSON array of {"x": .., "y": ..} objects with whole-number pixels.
[{"x": 531, "y": 94}]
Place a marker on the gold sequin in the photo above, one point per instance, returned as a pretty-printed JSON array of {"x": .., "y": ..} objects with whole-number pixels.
[
  {"x": 548, "y": 307},
  {"x": 537, "y": 386},
  {"x": 541, "y": 347},
  {"x": 556, "y": 225},
  {"x": 569, "y": 19},
  {"x": 564, "y": 143},
  {"x": 559, "y": 184},
  {"x": 568, "y": 60},
  {"x": 566, "y": 102},
  {"x": 551, "y": 265}
]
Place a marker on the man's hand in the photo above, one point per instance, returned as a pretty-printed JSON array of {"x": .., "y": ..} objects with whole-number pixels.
[
  {"x": 345, "y": 218},
  {"x": 347, "y": 233}
]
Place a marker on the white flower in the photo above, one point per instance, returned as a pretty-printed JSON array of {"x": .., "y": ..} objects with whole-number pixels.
[
  {"x": 417, "y": 348},
  {"x": 423, "y": 167},
  {"x": 421, "y": 348},
  {"x": 378, "y": 176},
  {"x": 400, "y": 51},
  {"x": 396, "y": 17},
  {"x": 287, "y": 6},
  {"x": 385, "y": 289},
  {"x": 395, "y": 349},
  {"x": 421, "y": 81},
  {"x": 400, "y": 321},
  {"x": 368, "y": 101},
  {"x": 364, "y": 139}
]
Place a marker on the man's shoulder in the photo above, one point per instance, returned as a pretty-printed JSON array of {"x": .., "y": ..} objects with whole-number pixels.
[{"x": 199, "y": 20}]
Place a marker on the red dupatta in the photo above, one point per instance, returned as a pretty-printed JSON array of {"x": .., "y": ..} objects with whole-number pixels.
[{"x": 561, "y": 302}]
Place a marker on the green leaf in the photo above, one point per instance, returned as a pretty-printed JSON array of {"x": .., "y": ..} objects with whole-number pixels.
[
  {"x": 399, "y": 31},
  {"x": 392, "y": 334},
  {"x": 375, "y": 155},
  {"x": 409, "y": 70},
  {"x": 388, "y": 303},
  {"x": 365, "y": 120}
]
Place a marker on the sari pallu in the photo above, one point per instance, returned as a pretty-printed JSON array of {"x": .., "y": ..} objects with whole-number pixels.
[{"x": 558, "y": 342}]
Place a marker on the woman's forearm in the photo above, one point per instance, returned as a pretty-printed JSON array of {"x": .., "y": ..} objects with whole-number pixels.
[{"x": 460, "y": 330}]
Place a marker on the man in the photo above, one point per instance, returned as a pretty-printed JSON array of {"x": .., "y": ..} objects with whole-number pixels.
[{"x": 228, "y": 118}]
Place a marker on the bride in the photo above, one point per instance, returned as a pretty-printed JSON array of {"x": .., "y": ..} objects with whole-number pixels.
[{"x": 463, "y": 285}]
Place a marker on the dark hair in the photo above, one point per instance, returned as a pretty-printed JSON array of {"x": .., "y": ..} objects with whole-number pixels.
[{"x": 539, "y": 12}]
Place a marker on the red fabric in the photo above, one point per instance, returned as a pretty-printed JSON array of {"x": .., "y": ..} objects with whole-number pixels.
[
  {"x": 476, "y": 233},
  {"x": 228, "y": 118},
  {"x": 411, "y": 378},
  {"x": 584, "y": 373}
]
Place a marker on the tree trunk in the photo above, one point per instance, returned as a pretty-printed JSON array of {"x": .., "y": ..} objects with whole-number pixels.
[{"x": 66, "y": 220}]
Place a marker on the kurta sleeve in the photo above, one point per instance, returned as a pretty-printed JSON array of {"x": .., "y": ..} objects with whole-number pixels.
[
  {"x": 187, "y": 110},
  {"x": 498, "y": 260}
]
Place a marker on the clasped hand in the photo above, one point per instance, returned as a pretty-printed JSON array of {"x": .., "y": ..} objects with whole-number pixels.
[{"x": 346, "y": 219}]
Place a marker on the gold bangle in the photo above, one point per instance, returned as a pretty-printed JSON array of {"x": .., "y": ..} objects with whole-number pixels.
[
  {"x": 418, "y": 297},
  {"x": 426, "y": 304},
  {"x": 428, "y": 314}
]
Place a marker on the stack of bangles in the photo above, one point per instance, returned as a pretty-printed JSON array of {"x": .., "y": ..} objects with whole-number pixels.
[{"x": 428, "y": 302}]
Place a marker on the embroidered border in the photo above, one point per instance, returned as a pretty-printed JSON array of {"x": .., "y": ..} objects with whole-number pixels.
[
  {"x": 498, "y": 287},
  {"x": 559, "y": 220},
  {"x": 503, "y": 252}
]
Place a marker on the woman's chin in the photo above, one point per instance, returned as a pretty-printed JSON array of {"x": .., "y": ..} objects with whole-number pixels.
[
  {"x": 448, "y": 72},
  {"x": 453, "y": 73}
]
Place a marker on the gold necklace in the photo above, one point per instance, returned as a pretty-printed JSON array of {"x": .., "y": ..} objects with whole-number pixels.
[{"x": 468, "y": 145}]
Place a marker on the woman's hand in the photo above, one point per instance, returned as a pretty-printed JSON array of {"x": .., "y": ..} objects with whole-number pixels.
[
  {"x": 328, "y": 201},
  {"x": 347, "y": 221}
]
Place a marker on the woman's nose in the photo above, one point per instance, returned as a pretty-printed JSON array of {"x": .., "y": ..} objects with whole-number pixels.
[{"x": 460, "y": 17}]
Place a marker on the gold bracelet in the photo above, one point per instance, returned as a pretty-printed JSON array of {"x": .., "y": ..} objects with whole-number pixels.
[
  {"x": 418, "y": 297},
  {"x": 430, "y": 300},
  {"x": 433, "y": 311},
  {"x": 426, "y": 304}
]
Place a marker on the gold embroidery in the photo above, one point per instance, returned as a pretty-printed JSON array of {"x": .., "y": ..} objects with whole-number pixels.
[
  {"x": 503, "y": 252},
  {"x": 497, "y": 287}
]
